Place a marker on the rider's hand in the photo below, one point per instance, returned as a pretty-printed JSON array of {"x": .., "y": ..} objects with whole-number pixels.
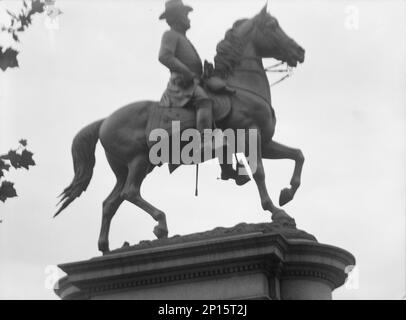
[{"x": 188, "y": 79}]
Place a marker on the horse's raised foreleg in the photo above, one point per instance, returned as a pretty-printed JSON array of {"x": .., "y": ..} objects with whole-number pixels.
[
  {"x": 275, "y": 150},
  {"x": 138, "y": 168},
  {"x": 258, "y": 171}
]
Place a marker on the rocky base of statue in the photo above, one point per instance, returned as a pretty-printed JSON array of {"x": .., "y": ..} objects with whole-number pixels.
[
  {"x": 248, "y": 261},
  {"x": 287, "y": 230}
]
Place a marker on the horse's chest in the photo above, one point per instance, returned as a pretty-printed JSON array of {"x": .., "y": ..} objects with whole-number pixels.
[
  {"x": 266, "y": 121},
  {"x": 252, "y": 111}
]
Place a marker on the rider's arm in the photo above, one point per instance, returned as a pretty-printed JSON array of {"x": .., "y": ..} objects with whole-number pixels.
[{"x": 167, "y": 55}]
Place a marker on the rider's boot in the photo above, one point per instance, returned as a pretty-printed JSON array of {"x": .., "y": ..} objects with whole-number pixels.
[{"x": 239, "y": 175}]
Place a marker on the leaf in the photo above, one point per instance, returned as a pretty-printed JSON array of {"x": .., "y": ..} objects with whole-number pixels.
[
  {"x": 26, "y": 159},
  {"x": 3, "y": 166},
  {"x": 25, "y": 20},
  {"x": 11, "y": 14},
  {"x": 23, "y": 142},
  {"x": 15, "y": 37},
  {"x": 14, "y": 158},
  {"x": 7, "y": 191},
  {"x": 8, "y": 58},
  {"x": 37, "y": 6}
]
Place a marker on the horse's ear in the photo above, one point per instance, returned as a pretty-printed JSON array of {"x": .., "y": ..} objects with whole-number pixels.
[
  {"x": 264, "y": 10},
  {"x": 261, "y": 16}
]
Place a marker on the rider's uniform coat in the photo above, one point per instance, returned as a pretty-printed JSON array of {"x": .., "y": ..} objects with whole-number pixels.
[{"x": 178, "y": 53}]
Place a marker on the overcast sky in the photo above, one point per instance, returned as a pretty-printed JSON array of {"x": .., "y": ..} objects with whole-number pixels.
[{"x": 344, "y": 107}]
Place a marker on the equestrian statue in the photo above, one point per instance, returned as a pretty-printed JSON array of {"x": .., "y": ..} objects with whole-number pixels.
[{"x": 233, "y": 94}]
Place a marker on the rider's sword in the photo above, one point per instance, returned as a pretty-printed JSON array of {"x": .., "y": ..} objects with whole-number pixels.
[{"x": 197, "y": 178}]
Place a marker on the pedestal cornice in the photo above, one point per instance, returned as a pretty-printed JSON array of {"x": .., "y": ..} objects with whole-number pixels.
[{"x": 270, "y": 260}]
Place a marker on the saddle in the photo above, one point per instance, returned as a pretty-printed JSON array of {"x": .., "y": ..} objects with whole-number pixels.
[
  {"x": 213, "y": 83},
  {"x": 161, "y": 117}
]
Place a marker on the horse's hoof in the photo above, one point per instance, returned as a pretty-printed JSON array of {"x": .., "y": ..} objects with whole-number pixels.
[
  {"x": 240, "y": 180},
  {"x": 160, "y": 232},
  {"x": 285, "y": 196},
  {"x": 281, "y": 217},
  {"x": 104, "y": 247}
]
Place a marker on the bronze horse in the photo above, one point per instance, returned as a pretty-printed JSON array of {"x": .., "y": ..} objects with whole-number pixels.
[{"x": 122, "y": 134}]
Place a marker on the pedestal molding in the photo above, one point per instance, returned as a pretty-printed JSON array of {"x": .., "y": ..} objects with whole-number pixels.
[{"x": 277, "y": 259}]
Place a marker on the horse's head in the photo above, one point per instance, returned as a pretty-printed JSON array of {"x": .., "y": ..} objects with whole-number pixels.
[
  {"x": 260, "y": 36},
  {"x": 271, "y": 41}
]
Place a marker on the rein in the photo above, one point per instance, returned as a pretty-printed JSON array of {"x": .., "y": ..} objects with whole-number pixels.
[
  {"x": 288, "y": 70},
  {"x": 250, "y": 91}
]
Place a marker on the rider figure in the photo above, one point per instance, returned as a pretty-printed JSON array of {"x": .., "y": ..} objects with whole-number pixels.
[{"x": 179, "y": 55}]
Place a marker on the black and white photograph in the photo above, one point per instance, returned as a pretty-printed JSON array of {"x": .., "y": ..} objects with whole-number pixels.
[{"x": 202, "y": 150}]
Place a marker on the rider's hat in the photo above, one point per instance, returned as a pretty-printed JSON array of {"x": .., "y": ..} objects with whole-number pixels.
[{"x": 173, "y": 7}]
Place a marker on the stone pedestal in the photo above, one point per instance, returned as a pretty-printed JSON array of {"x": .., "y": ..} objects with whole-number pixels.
[{"x": 260, "y": 261}]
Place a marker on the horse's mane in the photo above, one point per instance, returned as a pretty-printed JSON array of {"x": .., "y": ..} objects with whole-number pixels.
[{"x": 229, "y": 51}]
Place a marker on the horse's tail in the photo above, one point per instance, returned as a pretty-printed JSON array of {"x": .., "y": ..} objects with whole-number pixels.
[{"x": 83, "y": 148}]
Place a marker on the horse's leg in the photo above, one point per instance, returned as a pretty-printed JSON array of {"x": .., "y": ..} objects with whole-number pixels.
[
  {"x": 138, "y": 168},
  {"x": 111, "y": 204},
  {"x": 278, "y": 214},
  {"x": 275, "y": 150}
]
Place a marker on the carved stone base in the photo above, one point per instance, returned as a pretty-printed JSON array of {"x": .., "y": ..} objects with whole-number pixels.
[{"x": 248, "y": 261}]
